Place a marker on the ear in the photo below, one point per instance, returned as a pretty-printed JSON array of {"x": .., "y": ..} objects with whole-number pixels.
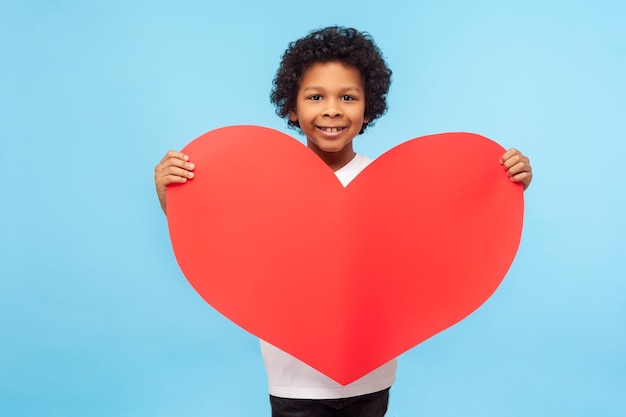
[{"x": 293, "y": 116}]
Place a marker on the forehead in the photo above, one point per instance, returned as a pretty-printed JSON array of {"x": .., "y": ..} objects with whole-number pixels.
[{"x": 329, "y": 74}]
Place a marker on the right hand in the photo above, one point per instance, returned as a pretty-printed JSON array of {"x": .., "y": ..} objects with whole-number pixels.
[{"x": 174, "y": 168}]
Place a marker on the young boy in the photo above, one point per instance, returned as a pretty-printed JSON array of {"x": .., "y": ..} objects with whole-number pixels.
[{"x": 331, "y": 85}]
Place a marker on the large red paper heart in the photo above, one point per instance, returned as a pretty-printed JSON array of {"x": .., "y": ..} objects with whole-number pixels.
[{"x": 345, "y": 279}]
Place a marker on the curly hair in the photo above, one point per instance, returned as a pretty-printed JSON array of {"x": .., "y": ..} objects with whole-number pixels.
[{"x": 333, "y": 44}]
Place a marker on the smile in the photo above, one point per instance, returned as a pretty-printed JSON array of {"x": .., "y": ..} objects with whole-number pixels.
[{"x": 331, "y": 129}]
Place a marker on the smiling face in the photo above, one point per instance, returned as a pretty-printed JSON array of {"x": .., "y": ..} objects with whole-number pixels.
[{"x": 330, "y": 110}]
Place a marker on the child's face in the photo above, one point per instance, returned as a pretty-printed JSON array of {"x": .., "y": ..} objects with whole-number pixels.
[{"x": 330, "y": 109}]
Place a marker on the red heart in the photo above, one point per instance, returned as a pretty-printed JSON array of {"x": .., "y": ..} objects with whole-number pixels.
[{"x": 344, "y": 279}]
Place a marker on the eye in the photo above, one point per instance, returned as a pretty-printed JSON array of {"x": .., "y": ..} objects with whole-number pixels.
[
  {"x": 315, "y": 97},
  {"x": 347, "y": 97}
]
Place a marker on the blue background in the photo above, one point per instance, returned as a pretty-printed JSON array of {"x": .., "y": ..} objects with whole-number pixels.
[{"x": 97, "y": 320}]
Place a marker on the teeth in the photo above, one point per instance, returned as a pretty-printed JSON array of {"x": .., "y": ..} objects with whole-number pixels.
[{"x": 331, "y": 129}]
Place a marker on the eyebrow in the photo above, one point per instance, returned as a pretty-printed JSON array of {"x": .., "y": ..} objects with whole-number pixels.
[{"x": 346, "y": 89}]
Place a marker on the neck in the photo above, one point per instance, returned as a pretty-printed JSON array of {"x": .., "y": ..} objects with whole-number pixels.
[{"x": 334, "y": 160}]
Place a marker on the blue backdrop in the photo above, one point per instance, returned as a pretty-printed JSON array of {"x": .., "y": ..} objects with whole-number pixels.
[{"x": 95, "y": 316}]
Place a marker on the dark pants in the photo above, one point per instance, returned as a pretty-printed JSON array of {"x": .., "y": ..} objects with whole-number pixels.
[{"x": 369, "y": 405}]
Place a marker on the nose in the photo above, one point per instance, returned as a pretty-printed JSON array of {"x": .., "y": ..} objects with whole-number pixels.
[{"x": 332, "y": 109}]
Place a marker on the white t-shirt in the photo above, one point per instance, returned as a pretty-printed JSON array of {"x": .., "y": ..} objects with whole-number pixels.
[{"x": 289, "y": 377}]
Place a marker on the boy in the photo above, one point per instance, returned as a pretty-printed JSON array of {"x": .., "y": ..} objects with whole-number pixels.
[{"x": 331, "y": 85}]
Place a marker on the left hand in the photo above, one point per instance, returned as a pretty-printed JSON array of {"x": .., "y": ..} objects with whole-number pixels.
[{"x": 517, "y": 167}]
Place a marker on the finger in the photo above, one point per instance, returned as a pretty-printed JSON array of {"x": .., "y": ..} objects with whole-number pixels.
[
  {"x": 516, "y": 160},
  {"x": 175, "y": 155},
  {"x": 173, "y": 171},
  {"x": 174, "y": 162},
  {"x": 181, "y": 172},
  {"x": 508, "y": 154},
  {"x": 175, "y": 179},
  {"x": 164, "y": 182},
  {"x": 525, "y": 178},
  {"x": 518, "y": 168},
  {"x": 521, "y": 176},
  {"x": 173, "y": 158}
]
